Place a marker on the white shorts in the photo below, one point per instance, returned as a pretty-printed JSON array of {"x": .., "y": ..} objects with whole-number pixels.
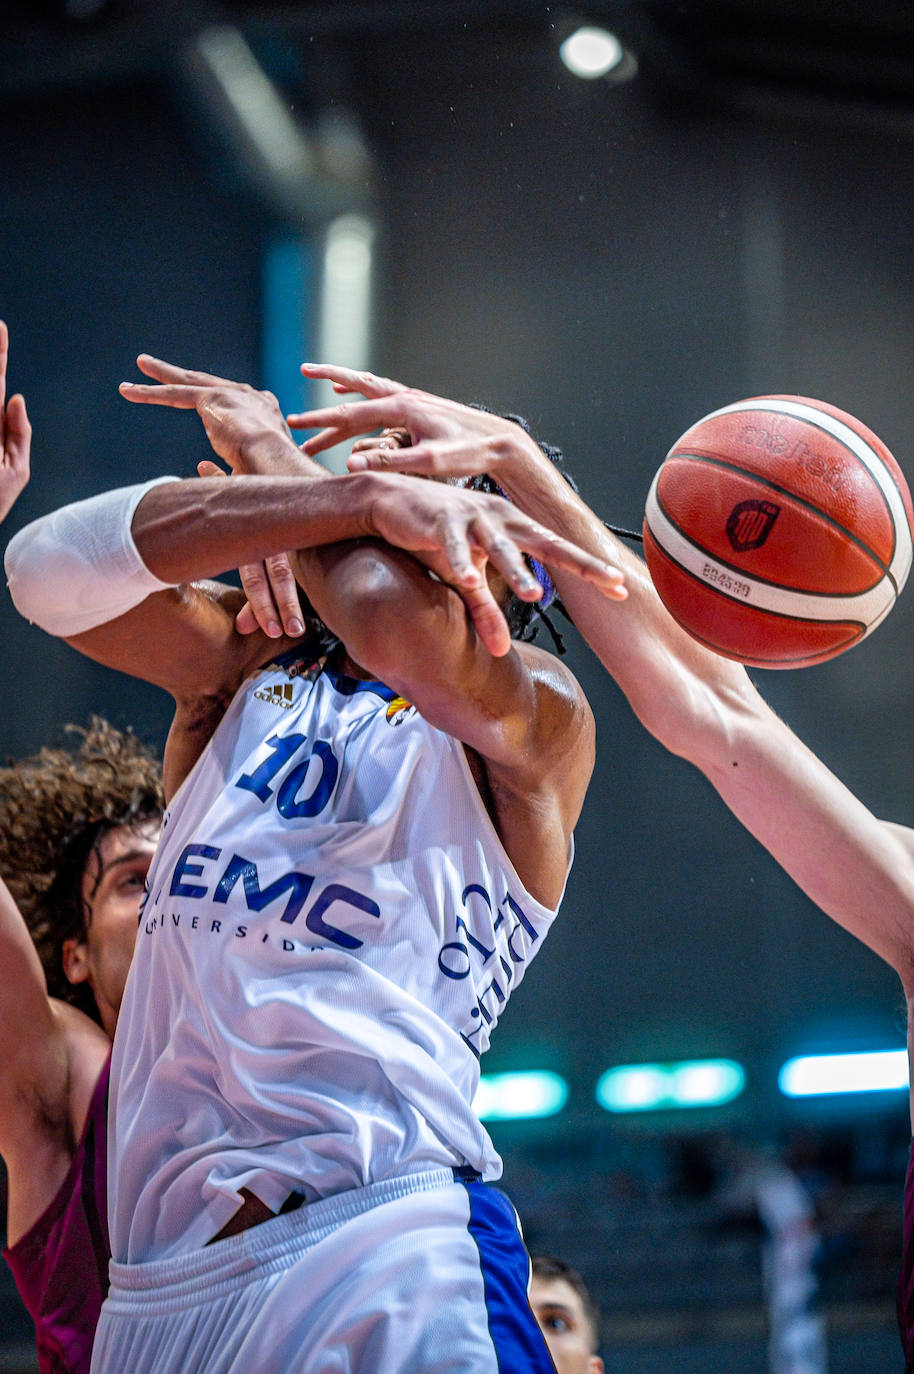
[{"x": 417, "y": 1275}]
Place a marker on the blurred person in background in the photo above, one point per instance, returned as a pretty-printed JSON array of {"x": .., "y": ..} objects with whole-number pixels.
[{"x": 568, "y": 1316}]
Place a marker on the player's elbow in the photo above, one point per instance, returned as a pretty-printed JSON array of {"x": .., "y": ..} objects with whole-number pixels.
[
  {"x": 35, "y": 582},
  {"x": 700, "y": 716},
  {"x": 78, "y": 566},
  {"x": 370, "y": 616}
]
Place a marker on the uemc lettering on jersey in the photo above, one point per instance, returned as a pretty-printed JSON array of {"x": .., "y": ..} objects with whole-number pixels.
[{"x": 490, "y": 941}]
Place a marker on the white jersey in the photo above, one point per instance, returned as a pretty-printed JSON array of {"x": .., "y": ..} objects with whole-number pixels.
[{"x": 331, "y": 932}]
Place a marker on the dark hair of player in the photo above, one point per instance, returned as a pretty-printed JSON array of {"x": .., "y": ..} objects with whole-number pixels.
[{"x": 549, "y": 1267}]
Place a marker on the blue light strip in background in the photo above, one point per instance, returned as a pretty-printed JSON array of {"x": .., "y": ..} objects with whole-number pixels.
[
  {"x": 659, "y": 1087},
  {"x": 820, "y": 1075},
  {"x": 514, "y": 1096},
  {"x": 287, "y": 280}
]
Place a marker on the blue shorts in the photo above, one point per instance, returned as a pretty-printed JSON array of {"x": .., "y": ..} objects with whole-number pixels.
[{"x": 422, "y": 1274}]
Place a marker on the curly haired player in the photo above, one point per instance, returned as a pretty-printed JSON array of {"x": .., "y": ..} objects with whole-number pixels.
[{"x": 77, "y": 833}]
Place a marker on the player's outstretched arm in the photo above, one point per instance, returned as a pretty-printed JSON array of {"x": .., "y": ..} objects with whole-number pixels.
[
  {"x": 31, "y": 1047},
  {"x": 37, "y": 1093},
  {"x": 857, "y": 868}
]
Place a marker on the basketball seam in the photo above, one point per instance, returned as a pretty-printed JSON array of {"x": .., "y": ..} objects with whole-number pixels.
[
  {"x": 760, "y": 610},
  {"x": 753, "y": 576},
  {"x": 798, "y": 500},
  {"x": 798, "y": 662}
]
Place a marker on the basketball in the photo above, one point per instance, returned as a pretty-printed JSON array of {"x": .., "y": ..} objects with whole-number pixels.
[{"x": 777, "y": 531}]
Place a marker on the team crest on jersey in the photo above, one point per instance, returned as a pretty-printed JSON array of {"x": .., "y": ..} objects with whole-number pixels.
[
  {"x": 277, "y": 694},
  {"x": 399, "y": 710}
]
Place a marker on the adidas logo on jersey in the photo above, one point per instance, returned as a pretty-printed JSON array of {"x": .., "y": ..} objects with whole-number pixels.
[{"x": 279, "y": 695}]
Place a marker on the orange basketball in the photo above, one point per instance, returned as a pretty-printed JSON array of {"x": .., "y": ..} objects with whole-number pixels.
[{"x": 778, "y": 531}]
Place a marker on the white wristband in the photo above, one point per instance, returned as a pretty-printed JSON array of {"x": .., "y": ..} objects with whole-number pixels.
[{"x": 79, "y": 567}]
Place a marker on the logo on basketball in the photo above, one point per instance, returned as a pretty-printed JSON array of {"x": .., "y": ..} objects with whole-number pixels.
[{"x": 750, "y": 523}]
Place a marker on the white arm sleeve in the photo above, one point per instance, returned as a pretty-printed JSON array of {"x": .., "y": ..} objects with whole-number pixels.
[{"x": 79, "y": 567}]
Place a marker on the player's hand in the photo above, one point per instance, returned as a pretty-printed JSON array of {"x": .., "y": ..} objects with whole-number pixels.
[
  {"x": 435, "y": 437},
  {"x": 245, "y": 426},
  {"x": 15, "y": 436},
  {"x": 457, "y": 532},
  {"x": 272, "y": 593}
]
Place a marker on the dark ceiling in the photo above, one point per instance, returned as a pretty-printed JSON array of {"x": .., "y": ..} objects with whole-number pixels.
[{"x": 853, "y": 52}]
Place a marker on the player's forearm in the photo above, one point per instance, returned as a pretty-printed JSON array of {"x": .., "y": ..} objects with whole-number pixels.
[
  {"x": 858, "y": 869},
  {"x": 90, "y": 562},
  {"x": 679, "y": 690},
  {"x": 188, "y": 530}
]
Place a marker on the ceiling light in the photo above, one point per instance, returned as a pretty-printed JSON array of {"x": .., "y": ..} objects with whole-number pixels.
[{"x": 590, "y": 52}]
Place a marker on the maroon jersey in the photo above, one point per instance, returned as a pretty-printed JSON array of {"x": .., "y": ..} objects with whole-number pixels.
[
  {"x": 906, "y": 1277},
  {"x": 61, "y": 1264}
]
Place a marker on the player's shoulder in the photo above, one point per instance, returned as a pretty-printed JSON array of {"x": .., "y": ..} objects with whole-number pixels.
[{"x": 558, "y": 691}]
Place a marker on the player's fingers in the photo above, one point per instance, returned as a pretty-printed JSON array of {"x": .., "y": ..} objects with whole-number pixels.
[
  {"x": 506, "y": 557},
  {"x": 179, "y": 396},
  {"x": 328, "y": 438},
  {"x": 347, "y": 379},
  {"x": 432, "y": 458},
  {"x": 18, "y": 437},
  {"x": 4, "y": 360},
  {"x": 207, "y": 468},
  {"x": 355, "y": 417},
  {"x": 259, "y": 592},
  {"x": 487, "y": 618},
  {"x": 246, "y": 620},
  {"x": 284, "y": 589},
  {"x": 557, "y": 553},
  {"x": 459, "y": 555},
  {"x": 170, "y": 372},
  {"x": 272, "y": 594},
  {"x": 387, "y": 439}
]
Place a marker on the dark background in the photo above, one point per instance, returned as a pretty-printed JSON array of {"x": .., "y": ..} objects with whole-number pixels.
[{"x": 613, "y": 261}]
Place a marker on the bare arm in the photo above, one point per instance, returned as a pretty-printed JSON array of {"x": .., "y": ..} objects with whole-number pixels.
[
  {"x": 857, "y": 868},
  {"x": 51, "y": 1056},
  {"x": 522, "y": 714},
  {"x": 15, "y": 436},
  {"x": 32, "y": 1048}
]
